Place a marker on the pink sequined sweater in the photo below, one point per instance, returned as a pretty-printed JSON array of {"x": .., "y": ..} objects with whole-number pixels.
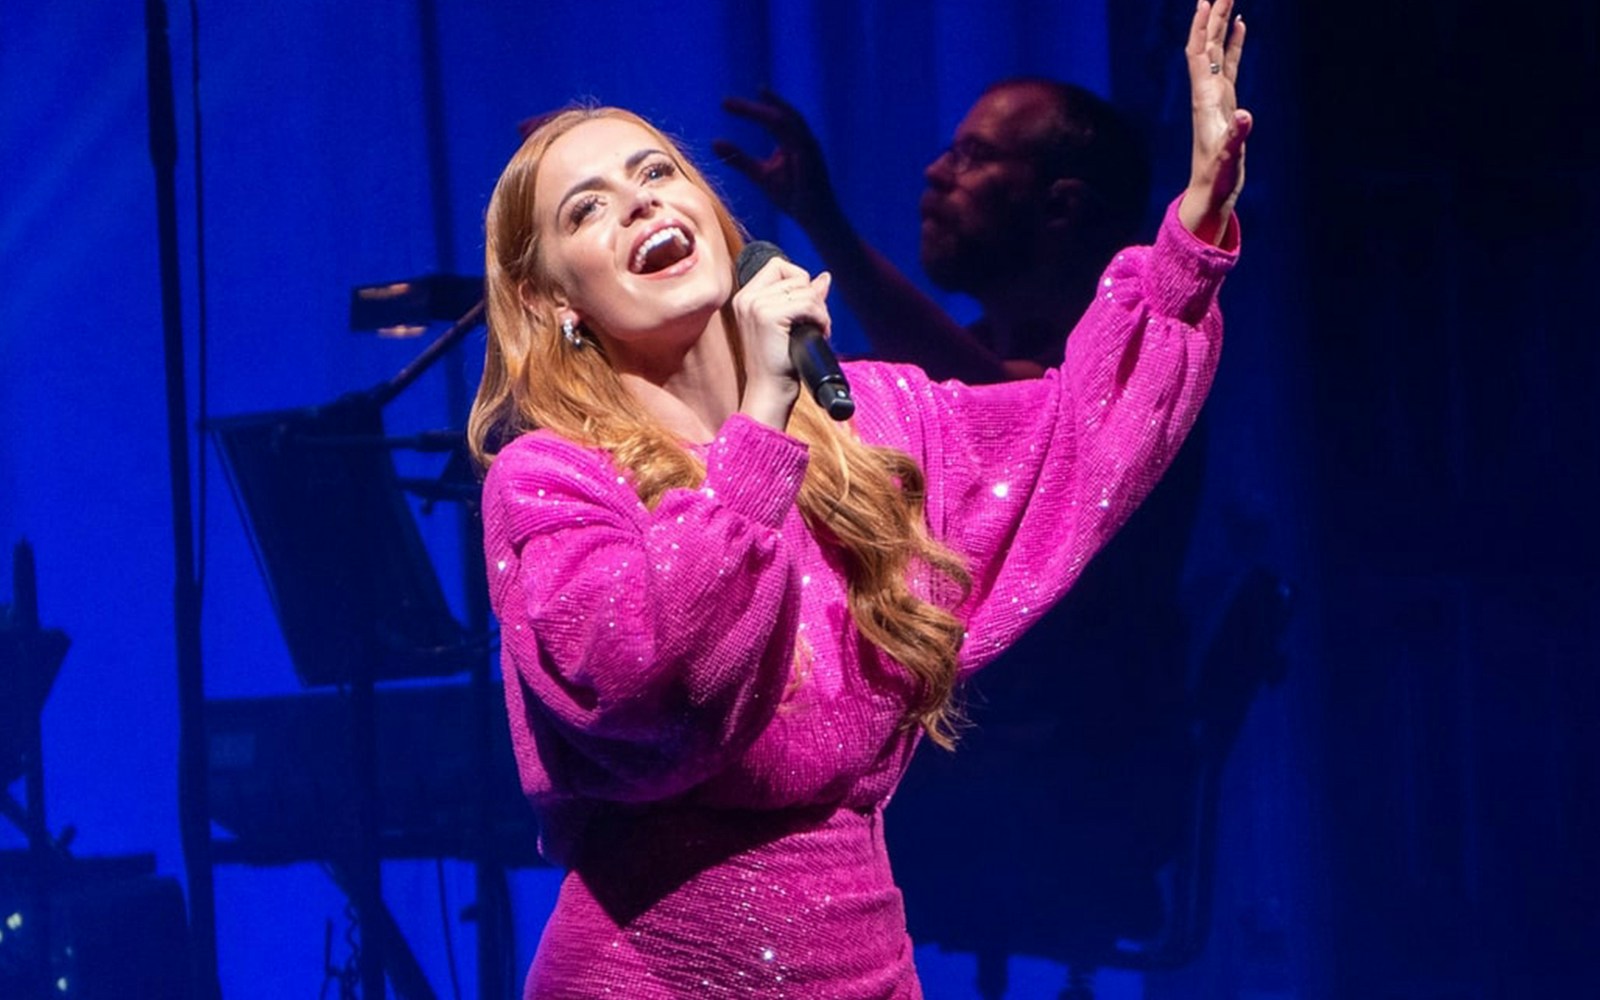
[{"x": 720, "y": 819}]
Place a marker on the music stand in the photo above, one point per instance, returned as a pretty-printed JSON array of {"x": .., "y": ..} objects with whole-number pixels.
[{"x": 353, "y": 588}]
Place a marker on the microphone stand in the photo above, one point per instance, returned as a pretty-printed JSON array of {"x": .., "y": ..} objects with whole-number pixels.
[
  {"x": 193, "y": 807},
  {"x": 384, "y": 392}
]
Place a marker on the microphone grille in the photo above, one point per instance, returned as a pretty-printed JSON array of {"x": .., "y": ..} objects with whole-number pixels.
[{"x": 753, "y": 258}]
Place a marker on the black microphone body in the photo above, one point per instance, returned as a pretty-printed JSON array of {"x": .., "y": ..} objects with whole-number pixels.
[{"x": 809, "y": 352}]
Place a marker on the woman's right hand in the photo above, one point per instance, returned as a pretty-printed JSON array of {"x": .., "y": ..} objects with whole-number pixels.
[{"x": 767, "y": 309}]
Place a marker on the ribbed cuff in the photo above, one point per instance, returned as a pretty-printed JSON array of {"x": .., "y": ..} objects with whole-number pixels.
[
  {"x": 755, "y": 469},
  {"x": 1186, "y": 271}
]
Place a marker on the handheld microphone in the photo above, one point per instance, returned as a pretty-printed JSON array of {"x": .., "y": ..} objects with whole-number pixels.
[{"x": 808, "y": 349}]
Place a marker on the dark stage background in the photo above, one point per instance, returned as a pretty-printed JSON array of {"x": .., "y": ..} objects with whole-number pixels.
[{"x": 1405, "y": 425}]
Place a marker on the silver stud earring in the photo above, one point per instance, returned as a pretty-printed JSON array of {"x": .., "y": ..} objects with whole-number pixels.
[{"x": 569, "y": 330}]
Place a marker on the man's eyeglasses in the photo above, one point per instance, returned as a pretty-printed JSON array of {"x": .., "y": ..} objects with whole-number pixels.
[{"x": 964, "y": 154}]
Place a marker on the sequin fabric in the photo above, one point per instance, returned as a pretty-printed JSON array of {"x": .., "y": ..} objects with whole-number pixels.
[{"x": 717, "y": 799}]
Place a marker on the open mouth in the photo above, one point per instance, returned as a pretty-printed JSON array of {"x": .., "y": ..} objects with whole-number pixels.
[{"x": 660, "y": 250}]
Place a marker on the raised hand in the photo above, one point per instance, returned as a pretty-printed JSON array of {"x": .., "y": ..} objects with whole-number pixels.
[
  {"x": 1216, "y": 174},
  {"x": 794, "y": 177}
]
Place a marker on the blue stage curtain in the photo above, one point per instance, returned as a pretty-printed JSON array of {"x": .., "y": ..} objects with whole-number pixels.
[{"x": 345, "y": 144}]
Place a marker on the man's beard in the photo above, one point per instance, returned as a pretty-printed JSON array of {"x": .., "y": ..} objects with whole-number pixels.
[{"x": 966, "y": 265}]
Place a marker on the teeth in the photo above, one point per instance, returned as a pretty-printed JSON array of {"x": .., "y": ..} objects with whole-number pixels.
[{"x": 656, "y": 239}]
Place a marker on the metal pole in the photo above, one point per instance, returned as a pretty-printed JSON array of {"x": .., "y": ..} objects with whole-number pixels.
[{"x": 193, "y": 807}]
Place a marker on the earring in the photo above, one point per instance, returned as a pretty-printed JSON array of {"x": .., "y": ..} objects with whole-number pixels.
[{"x": 569, "y": 330}]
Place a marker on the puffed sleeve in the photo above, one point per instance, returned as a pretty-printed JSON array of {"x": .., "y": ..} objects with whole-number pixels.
[
  {"x": 641, "y": 649},
  {"x": 1028, "y": 479}
]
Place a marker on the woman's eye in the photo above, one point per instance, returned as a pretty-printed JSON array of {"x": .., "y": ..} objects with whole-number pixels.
[
  {"x": 659, "y": 170},
  {"x": 582, "y": 209}
]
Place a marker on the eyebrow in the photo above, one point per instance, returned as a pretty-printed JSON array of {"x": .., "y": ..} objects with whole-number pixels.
[{"x": 591, "y": 183}]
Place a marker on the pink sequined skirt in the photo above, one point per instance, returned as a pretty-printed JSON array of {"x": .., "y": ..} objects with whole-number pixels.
[{"x": 710, "y": 903}]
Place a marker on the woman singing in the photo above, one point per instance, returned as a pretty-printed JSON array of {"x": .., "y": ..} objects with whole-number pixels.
[{"x": 727, "y": 620}]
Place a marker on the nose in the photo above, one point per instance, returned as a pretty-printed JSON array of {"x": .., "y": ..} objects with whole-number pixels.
[
  {"x": 644, "y": 203},
  {"x": 939, "y": 174}
]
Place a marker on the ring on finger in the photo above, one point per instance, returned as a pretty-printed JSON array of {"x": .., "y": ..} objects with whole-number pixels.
[{"x": 1216, "y": 67}]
